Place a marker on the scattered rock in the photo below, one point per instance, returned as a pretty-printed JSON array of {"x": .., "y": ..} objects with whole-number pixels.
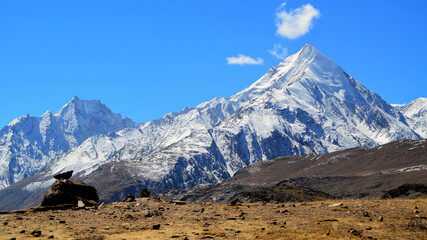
[
  {"x": 339, "y": 209},
  {"x": 125, "y": 225},
  {"x": 178, "y": 202},
  {"x": 235, "y": 202},
  {"x": 156, "y": 226},
  {"x": 416, "y": 211},
  {"x": 101, "y": 205},
  {"x": 145, "y": 193},
  {"x": 336, "y": 205},
  {"x": 146, "y": 213},
  {"x": 366, "y": 214},
  {"x": 381, "y": 218},
  {"x": 129, "y": 198},
  {"x": 326, "y": 219},
  {"x": 355, "y": 232},
  {"x": 128, "y": 216},
  {"x": 201, "y": 210},
  {"x": 80, "y": 204},
  {"x": 249, "y": 204},
  {"x": 36, "y": 233},
  {"x": 62, "y": 221},
  {"x": 51, "y": 236}
]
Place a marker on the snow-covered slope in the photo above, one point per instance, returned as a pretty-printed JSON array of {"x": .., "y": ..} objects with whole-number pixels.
[
  {"x": 306, "y": 104},
  {"x": 416, "y": 114},
  {"x": 28, "y": 144}
]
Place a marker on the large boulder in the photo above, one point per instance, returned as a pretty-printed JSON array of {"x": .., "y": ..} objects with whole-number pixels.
[{"x": 70, "y": 191}]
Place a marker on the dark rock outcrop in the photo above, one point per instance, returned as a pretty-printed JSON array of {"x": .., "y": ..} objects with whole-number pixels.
[
  {"x": 70, "y": 191},
  {"x": 407, "y": 191},
  {"x": 283, "y": 193}
]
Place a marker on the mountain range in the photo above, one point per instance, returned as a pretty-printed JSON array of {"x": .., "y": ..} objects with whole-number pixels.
[
  {"x": 29, "y": 144},
  {"x": 305, "y": 105}
]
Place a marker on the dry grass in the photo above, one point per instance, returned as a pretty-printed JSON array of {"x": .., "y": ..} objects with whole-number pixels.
[{"x": 361, "y": 219}]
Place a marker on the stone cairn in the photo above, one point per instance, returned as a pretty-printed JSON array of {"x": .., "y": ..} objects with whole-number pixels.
[{"x": 70, "y": 191}]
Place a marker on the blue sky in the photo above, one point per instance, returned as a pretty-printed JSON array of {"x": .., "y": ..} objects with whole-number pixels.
[{"x": 144, "y": 59}]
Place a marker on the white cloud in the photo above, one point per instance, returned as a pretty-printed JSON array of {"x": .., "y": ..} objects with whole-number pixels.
[
  {"x": 296, "y": 22},
  {"x": 279, "y": 51},
  {"x": 242, "y": 59}
]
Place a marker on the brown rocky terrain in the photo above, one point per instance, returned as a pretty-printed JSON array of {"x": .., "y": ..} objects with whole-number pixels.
[{"x": 148, "y": 218}]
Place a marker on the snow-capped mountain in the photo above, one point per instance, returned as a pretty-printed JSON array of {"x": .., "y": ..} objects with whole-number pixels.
[
  {"x": 416, "y": 115},
  {"x": 28, "y": 144},
  {"x": 305, "y": 105}
]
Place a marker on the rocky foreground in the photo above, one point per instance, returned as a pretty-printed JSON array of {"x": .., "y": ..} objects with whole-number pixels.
[{"x": 151, "y": 218}]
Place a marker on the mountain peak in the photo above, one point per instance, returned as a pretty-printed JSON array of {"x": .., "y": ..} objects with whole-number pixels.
[
  {"x": 309, "y": 52},
  {"x": 307, "y": 47},
  {"x": 76, "y": 106}
]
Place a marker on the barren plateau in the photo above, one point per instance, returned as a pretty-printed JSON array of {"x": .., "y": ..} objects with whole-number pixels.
[{"x": 148, "y": 218}]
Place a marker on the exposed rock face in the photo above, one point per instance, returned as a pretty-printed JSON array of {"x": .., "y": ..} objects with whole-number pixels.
[{"x": 70, "y": 191}]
